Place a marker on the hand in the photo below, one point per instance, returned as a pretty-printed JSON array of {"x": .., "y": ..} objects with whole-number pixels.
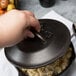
[{"x": 13, "y": 27}]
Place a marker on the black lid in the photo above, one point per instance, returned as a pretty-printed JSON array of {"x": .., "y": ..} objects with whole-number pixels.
[{"x": 33, "y": 53}]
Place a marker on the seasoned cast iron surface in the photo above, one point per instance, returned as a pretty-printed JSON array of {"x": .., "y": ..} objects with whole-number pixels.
[
  {"x": 33, "y": 53},
  {"x": 70, "y": 63}
]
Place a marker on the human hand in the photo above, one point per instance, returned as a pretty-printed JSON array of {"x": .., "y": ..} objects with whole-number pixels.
[{"x": 13, "y": 27}]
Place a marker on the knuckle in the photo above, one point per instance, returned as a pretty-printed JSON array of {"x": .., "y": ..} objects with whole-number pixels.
[
  {"x": 30, "y": 13},
  {"x": 14, "y": 10},
  {"x": 22, "y": 15}
]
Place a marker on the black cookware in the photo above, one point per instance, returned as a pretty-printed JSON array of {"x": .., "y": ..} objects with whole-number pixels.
[
  {"x": 47, "y": 3},
  {"x": 65, "y": 71},
  {"x": 34, "y": 53}
]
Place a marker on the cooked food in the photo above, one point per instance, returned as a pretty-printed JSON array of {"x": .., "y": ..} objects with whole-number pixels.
[
  {"x": 3, "y": 3},
  {"x": 1, "y": 11},
  {"x": 6, "y": 5},
  {"x": 10, "y": 7},
  {"x": 52, "y": 69},
  {"x": 12, "y": 1}
]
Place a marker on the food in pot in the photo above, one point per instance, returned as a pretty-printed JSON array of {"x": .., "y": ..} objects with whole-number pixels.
[
  {"x": 6, "y": 5},
  {"x": 52, "y": 69}
]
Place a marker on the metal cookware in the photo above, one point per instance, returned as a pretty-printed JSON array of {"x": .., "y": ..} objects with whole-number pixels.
[
  {"x": 65, "y": 71},
  {"x": 33, "y": 53}
]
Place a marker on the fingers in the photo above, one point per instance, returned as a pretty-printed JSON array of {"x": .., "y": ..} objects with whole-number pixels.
[
  {"x": 35, "y": 23},
  {"x": 28, "y": 20},
  {"x": 28, "y": 34},
  {"x": 28, "y": 13},
  {"x": 32, "y": 21}
]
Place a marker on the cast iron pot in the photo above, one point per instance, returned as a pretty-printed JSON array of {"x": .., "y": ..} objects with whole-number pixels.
[
  {"x": 65, "y": 71},
  {"x": 34, "y": 53}
]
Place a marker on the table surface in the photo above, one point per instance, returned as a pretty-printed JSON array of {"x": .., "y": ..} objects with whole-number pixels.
[{"x": 66, "y": 8}]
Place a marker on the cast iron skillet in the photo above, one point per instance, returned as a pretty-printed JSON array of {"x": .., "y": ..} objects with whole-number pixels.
[
  {"x": 33, "y": 53},
  {"x": 70, "y": 63}
]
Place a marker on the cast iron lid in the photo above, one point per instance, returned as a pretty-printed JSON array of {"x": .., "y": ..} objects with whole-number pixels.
[{"x": 33, "y": 53}]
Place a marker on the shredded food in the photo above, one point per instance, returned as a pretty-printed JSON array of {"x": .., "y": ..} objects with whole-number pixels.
[{"x": 52, "y": 69}]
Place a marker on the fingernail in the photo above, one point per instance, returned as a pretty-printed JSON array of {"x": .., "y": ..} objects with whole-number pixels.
[
  {"x": 38, "y": 30},
  {"x": 32, "y": 35}
]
